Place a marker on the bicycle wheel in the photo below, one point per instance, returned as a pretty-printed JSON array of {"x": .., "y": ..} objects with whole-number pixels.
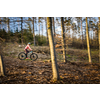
[
  {"x": 22, "y": 56},
  {"x": 33, "y": 56}
]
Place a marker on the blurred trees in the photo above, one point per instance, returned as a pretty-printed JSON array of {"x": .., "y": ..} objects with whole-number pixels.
[{"x": 21, "y": 29}]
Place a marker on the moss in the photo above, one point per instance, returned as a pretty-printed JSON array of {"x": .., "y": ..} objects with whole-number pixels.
[{"x": 68, "y": 55}]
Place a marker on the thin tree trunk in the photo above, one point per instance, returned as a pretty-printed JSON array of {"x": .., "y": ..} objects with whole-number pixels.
[
  {"x": 0, "y": 23},
  {"x": 82, "y": 34},
  {"x": 18, "y": 24},
  {"x": 99, "y": 39},
  {"x": 52, "y": 49},
  {"x": 42, "y": 31},
  {"x": 73, "y": 38},
  {"x": 8, "y": 25},
  {"x": 46, "y": 31},
  {"x": 88, "y": 45},
  {"x": 53, "y": 27},
  {"x": 39, "y": 27},
  {"x": 2, "y": 69},
  {"x": 33, "y": 32},
  {"x": 63, "y": 39},
  {"x": 22, "y": 30}
]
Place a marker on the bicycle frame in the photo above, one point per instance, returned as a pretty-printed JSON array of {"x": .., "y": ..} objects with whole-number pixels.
[{"x": 30, "y": 52}]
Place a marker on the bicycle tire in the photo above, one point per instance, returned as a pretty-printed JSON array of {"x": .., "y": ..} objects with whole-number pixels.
[
  {"x": 33, "y": 56},
  {"x": 22, "y": 56}
]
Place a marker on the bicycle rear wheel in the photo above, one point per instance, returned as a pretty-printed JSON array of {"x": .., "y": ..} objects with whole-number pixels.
[
  {"x": 22, "y": 56},
  {"x": 33, "y": 56}
]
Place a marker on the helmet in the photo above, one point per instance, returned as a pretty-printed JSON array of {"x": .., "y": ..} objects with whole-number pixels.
[{"x": 29, "y": 43}]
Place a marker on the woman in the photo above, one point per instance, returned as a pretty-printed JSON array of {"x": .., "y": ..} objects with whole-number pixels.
[{"x": 26, "y": 49}]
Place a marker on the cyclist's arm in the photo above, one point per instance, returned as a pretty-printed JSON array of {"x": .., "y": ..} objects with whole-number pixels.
[{"x": 30, "y": 48}]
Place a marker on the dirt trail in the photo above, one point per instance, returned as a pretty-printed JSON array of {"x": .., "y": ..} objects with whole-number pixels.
[{"x": 39, "y": 72}]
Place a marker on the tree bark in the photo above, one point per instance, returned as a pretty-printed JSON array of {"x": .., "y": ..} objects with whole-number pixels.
[
  {"x": 33, "y": 33},
  {"x": 18, "y": 24},
  {"x": 99, "y": 39},
  {"x": 22, "y": 30},
  {"x": 2, "y": 66},
  {"x": 46, "y": 32},
  {"x": 8, "y": 24},
  {"x": 39, "y": 27},
  {"x": 82, "y": 34},
  {"x": 0, "y": 23},
  {"x": 63, "y": 39},
  {"x": 52, "y": 50},
  {"x": 88, "y": 44},
  {"x": 53, "y": 27}
]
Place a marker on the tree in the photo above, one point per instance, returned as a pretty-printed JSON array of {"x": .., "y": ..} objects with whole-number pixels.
[
  {"x": 53, "y": 26},
  {"x": 33, "y": 32},
  {"x": 22, "y": 30},
  {"x": 18, "y": 23},
  {"x": 99, "y": 38},
  {"x": 63, "y": 39},
  {"x": 52, "y": 49},
  {"x": 46, "y": 31},
  {"x": 2, "y": 66},
  {"x": 88, "y": 44},
  {"x": 0, "y": 23},
  {"x": 39, "y": 26},
  {"x": 82, "y": 33},
  {"x": 42, "y": 28},
  {"x": 4, "y": 23}
]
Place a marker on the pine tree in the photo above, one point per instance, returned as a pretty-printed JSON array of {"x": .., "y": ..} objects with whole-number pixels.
[{"x": 88, "y": 44}]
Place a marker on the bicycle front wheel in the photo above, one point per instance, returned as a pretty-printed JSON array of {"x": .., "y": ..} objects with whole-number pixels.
[
  {"x": 22, "y": 56},
  {"x": 33, "y": 56}
]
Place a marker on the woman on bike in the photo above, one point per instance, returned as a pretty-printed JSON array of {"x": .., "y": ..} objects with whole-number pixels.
[{"x": 26, "y": 49}]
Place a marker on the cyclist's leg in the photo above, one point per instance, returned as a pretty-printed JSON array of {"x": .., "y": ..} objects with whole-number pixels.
[{"x": 27, "y": 53}]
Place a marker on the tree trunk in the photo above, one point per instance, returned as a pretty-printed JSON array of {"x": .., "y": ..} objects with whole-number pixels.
[
  {"x": 18, "y": 24},
  {"x": 39, "y": 27},
  {"x": 33, "y": 32},
  {"x": 63, "y": 39},
  {"x": 0, "y": 23},
  {"x": 99, "y": 39},
  {"x": 42, "y": 31},
  {"x": 22, "y": 30},
  {"x": 2, "y": 69},
  {"x": 46, "y": 32},
  {"x": 52, "y": 49},
  {"x": 82, "y": 34},
  {"x": 8, "y": 25},
  {"x": 88, "y": 45},
  {"x": 53, "y": 26}
]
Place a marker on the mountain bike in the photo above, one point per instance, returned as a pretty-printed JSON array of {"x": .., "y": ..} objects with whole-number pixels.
[{"x": 23, "y": 55}]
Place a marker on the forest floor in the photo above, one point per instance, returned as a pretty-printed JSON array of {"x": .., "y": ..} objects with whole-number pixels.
[{"x": 76, "y": 71}]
